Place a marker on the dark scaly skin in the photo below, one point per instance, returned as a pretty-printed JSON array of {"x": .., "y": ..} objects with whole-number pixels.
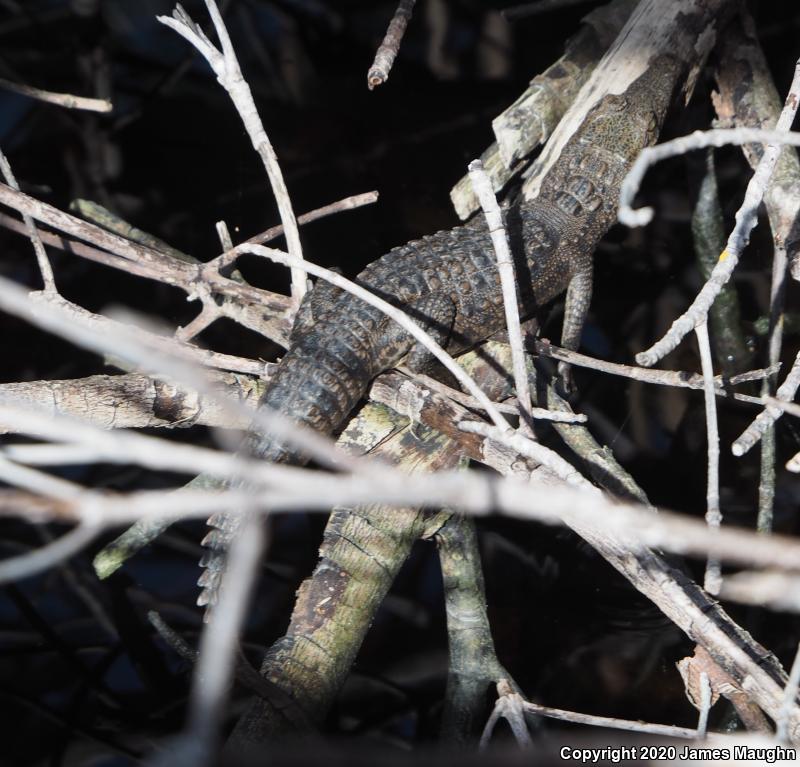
[{"x": 449, "y": 283}]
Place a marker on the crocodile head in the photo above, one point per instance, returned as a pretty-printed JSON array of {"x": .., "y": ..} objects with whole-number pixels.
[{"x": 623, "y": 123}]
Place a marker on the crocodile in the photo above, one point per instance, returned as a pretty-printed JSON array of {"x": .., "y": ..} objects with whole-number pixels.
[{"x": 449, "y": 283}]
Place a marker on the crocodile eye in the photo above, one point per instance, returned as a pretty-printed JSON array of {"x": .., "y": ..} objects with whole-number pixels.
[{"x": 618, "y": 103}]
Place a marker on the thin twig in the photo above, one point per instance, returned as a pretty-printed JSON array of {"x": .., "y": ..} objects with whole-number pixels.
[
  {"x": 713, "y": 513},
  {"x": 777, "y": 295},
  {"x": 260, "y": 310},
  {"x": 45, "y": 268},
  {"x": 508, "y": 284},
  {"x": 216, "y": 662},
  {"x": 746, "y": 216},
  {"x": 47, "y": 556},
  {"x": 789, "y": 699},
  {"x": 509, "y": 706},
  {"x": 66, "y": 100},
  {"x": 387, "y": 51},
  {"x": 611, "y": 723},
  {"x": 764, "y": 588},
  {"x": 675, "y": 378},
  {"x": 770, "y": 414},
  {"x": 537, "y": 413},
  {"x": 225, "y": 66},
  {"x": 127, "y": 343},
  {"x": 346, "y": 203},
  {"x": 705, "y": 703},
  {"x": 527, "y": 447}
]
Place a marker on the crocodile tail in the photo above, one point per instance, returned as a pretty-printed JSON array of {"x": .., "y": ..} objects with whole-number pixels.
[{"x": 317, "y": 384}]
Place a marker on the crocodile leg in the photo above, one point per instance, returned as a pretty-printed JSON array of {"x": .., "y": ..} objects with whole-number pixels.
[{"x": 579, "y": 295}]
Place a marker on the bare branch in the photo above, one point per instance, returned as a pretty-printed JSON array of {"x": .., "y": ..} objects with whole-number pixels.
[
  {"x": 387, "y": 51},
  {"x": 45, "y": 268},
  {"x": 713, "y": 514},
  {"x": 494, "y": 222},
  {"x": 770, "y": 414},
  {"x": 225, "y": 66},
  {"x": 66, "y": 100},
  {"x": 746, "y": 216}
]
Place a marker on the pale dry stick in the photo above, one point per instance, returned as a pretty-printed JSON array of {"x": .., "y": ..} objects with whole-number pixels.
[
  {"x": 632, "y": 526},
  {"x": 675, "y": 378},
  {"x": 88, "y": 528},
  {"x": 122, "y": 446},
  {"x": 51, "y": 554},
  {"x": 224, "y": 236},
  {"x": 509, "y": 706},
  {"x": 746, "y": 216},
  {"x": 346, "y": 203},
  {"x": 121, "y": 247},
  {"x": 662, "y": 730},
  {"x": 51, "y": 454},
  {"x": 225, "y": 66},
  {"x": 770, "y": 414},
  {"x": 35, "y": 481},
  {"x": 45, "y": 267},
  {"x": 777, "y": 295},
  {"x": 770, "y": 589},
  {"x": 216, "y": 662},
  {"x": 705, "y": 706},
  {"x": 399, "y": 316},
  {"x": 66, "y": 100},
  {"x": 210, "y": 311},
  {"x": 504, "y": 407},
  {"x": 789, "y": 698},
  {"x": 387, "y": 51},
  {"x": 76, "y": 247},
  {"x": 258, "y": 309},
  {"x": 792, "y": 408},
  {"x": 742, "y": 59},
  {"x": 527, "y": 447},
  {"x": 677, "y": 536},
  {"x": 208, "y": 314},
  {"x": 713, "y": 575},
  {"x": 126, "y": 343},
  {"x": 133, "y": 448},
  {"x": 162, "y": 344},
  {"x": 508, "y": 284}
]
